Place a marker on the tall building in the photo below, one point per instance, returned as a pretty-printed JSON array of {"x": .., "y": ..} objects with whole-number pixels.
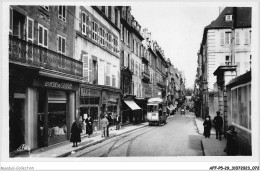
[
  {"x": 97, "y": 43},
  {"x": 43, "y": 75},
  {"x": 226, "y": 42}
]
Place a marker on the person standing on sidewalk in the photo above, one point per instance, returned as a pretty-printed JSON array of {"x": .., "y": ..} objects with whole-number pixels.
[
  {"x": 232, "y": 142},
  {"x": 104, "y": 123},
  {"x": 89, "y": 124},
  {"x": 76, "y": 129},
  {"x": 109, "y": 119},
  {"x": 218, "y": 123},
  {"x": 207, "y": 127},
  {"x": 118, "y": 121}
]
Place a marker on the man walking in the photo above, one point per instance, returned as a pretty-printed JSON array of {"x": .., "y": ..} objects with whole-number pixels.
[
  {"x": 218, "y": 122},
  {"x": 104, "y": 123}
]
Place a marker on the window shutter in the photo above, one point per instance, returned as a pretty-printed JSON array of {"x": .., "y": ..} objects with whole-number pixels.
[
  {"x": 85, "y": 67},
  {"x": 222, "y": 38},
  {"x": 237, "y": 37},
  {"x": 83, "y": 20},
  {"x": 11, "y": 20},
  {"x": 246, "y": 37},
  {"x": 59, "y": 44},
  {"x": 40, "y": 33},
  {"x": 142, "y": 67},
  {"x": 90, "y": 70}
]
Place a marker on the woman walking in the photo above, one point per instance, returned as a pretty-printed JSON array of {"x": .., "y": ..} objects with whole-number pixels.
[
  {"x": 75, "y": 132},
  {"x": 207, "y": 127},
  {"x": 89, "y": 125}
]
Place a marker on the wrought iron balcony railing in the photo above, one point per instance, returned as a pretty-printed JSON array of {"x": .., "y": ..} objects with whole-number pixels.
[{"x": 26, "y": 53}]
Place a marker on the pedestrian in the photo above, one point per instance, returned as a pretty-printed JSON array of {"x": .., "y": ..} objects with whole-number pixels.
[
  {"x": 76, "y": 129},
  {"x": 218, "y": 123},
  {"x": 104, "y": 123},
  {"x": 232, "y": 142},
  {"x": 207, "y": 127},
  {"x": 89, "y": 125},
  {"x": 118, "y": 121},
  {"x": 109, "y": 119}
]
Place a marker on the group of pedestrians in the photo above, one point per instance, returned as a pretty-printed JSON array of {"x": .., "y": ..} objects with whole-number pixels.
[
  {"x": 232, "y": 144},
  {"x": 77, "y": 125}
]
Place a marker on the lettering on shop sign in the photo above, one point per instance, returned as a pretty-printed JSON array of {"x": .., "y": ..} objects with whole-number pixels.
[{"x": 67, "y": 86}]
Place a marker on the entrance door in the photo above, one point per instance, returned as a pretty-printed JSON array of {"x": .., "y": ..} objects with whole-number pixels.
[{"x": 16, "y": 124}]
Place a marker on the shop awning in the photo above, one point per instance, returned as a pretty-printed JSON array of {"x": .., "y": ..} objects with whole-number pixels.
[{"x": 132, "y": 105}]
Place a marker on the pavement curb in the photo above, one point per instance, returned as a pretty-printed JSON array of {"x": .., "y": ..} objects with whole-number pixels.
[{"x": 99, "y": 141}]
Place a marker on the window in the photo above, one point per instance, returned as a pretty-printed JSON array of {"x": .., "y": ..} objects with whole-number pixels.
[
  {"x": 116, "y": 17},
  {"x": 113, "y": 81},
  {"x": 109, "y": 41},
  {"x": 129, "y": 39},
  {"x": 42, "y": 36},
  {"x": 45, "y": 7},
  {"x": 102, "y": 36},
  {"x": 115, "y": 45},
  {"x": 228, "y": 60},
  {"x": 125, "y": 60},
  {"x": 136, "y": 68},
  {"x": 61, "y": 44},
  {"x": 84, "y": 23},
  {"x": 11, "y": 20},
  {"x": 108, "y": 74},
  {"x": 62, "y": 13},
  {"x": 109, "y": 12},
  {"x": 228, "y": 18},
  {"x": 133, "y": 46},
  {"x": 103, "y": 9},
  {"x": 227, "y": 38},
  {"x": 132, "y": 65},
  {"x": 247, "y": 37},
  {"x": 94, "y": 31},
  {"x": 85, "y": 67},
  {"x": 237, "y": 38}
]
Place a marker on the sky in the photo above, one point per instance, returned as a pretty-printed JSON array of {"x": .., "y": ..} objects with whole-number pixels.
[{"x": 178, "y": 30}]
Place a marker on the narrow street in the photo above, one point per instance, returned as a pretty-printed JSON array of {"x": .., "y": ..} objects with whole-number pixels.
[{"x": 179, "y": 137}]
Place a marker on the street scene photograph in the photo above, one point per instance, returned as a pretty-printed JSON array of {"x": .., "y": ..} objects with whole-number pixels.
[{"x": 142, "y": 80}]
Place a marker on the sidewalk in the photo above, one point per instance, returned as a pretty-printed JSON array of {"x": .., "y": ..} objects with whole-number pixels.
[
  {"x": 211, "y": 146},
  {"x": 65, "y": 148}
]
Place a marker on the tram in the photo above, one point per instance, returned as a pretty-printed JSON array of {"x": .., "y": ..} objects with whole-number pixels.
[{"x": 156, "y": 111}]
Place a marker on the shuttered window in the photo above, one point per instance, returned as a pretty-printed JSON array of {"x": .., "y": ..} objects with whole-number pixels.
[
  {"x": 85, "y": 67},
  {"x": 30, "y": 25},
  {"x": 227, "y": 38}
]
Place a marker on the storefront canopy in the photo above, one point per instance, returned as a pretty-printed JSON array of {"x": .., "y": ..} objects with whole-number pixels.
[{"x": 132, "y": 105}]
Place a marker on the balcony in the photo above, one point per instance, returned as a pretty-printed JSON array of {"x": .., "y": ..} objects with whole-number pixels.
[
  {"x": 28, "y": 54},
  {"x": 145, "y": 76}
]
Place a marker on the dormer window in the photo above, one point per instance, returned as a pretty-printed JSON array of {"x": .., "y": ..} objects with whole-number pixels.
[{"x": 228, "y": 18}]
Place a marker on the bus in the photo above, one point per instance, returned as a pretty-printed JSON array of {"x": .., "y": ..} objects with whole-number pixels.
[{"x": 156, "y": 111}]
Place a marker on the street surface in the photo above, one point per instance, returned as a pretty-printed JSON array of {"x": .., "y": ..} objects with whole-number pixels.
[{"x": 179, "y": 137}]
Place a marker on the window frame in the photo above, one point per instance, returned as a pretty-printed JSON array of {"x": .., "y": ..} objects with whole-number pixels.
[
  {"x": 45, "y": 7},
  {"x": 62, "y": 16},
  {"x": 61, "y": 46},
  {"x": 43, "y": 33},
  {"x": 94, "y": 28},
  {"x": 225, "y": 39},
  {"x": 84, "y": 23}
]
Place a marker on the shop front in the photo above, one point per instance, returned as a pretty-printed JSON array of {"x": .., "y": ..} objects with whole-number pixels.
[
  {"x": 111, "y": 102},
  {"x": 42, "y": 108},
  {"x": 90, "y": 104}
]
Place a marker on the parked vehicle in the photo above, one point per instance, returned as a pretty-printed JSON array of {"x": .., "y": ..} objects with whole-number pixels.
[{"x": 156, "y": 111}]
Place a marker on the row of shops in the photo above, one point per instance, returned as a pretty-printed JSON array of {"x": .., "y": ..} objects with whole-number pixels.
[{"x": 42, "y": 106}]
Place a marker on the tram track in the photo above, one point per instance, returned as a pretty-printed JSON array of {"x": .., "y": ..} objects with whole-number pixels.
[{"x": 115, "y": 143}]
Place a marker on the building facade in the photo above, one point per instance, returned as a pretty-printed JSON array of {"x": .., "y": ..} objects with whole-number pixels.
[
  {"x": 97, "y": 46},
  {"x": 43, "y": 75}
]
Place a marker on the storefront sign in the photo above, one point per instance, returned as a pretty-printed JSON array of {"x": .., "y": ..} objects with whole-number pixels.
[{"x": 67, "y": 86}]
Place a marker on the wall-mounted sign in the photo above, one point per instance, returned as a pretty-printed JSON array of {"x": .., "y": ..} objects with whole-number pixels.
[{"x": 61, "y": 85}]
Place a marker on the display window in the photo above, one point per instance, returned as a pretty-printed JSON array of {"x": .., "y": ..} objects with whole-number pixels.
[{"x": 57, "y": 104}]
